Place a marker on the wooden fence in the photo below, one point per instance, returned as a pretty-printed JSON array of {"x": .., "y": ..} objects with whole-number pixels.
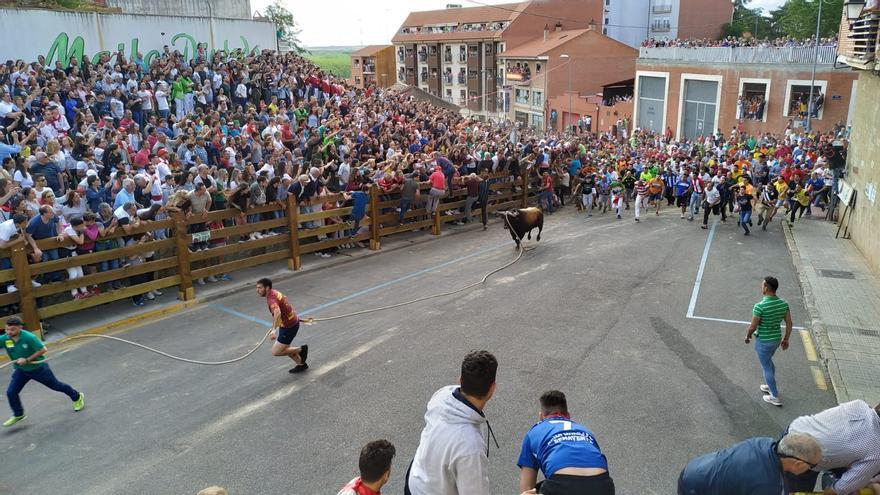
[{"x": 175, "y": 264}]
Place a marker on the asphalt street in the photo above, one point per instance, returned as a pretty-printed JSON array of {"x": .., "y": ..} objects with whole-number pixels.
[{"x": 597, "y": 309}]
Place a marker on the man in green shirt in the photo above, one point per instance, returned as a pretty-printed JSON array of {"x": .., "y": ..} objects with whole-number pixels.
[
  {"x": 27, "y": 354},
  {"x": 766, "y": 317}
]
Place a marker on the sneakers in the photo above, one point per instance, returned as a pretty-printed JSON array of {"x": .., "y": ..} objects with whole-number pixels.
[
  {"x": 200, "y": 281},
  {"x": 156, "y": 293},
  {"x": 79, "y": 403},
  {"x": 211, "y": 279},
  {"x": 769, "y": 399},
  {"x": 703, "y": 227},
  {"x": 637, "y": 220},
  {"x": 765, "y": 388},
  {"x": 618, "y": 217},
  {"x": 296, "y": 369},
  {"x": 15, "y": 419},
  {"x": 304, "y": 352},
  {"x": 35, "y": 284}
]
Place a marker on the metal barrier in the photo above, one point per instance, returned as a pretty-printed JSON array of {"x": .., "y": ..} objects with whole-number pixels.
[{"x": 804, "y": 55}]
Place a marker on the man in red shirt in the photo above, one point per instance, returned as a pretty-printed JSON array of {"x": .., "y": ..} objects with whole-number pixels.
[
  {"x": 285, "y": 325},
  {"x": 375, "y": 467},
  {"x": 547, "y": 192}
]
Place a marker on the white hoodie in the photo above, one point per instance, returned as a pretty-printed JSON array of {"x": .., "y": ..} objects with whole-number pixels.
[{"x": 451, "y": 458}]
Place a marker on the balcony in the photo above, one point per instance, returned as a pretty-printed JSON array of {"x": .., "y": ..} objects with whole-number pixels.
[
  {"x": 423, "y": 56},
  {"x": 461, "y": 78},
  {"x": 447, "y": 79},
  {"x": 369, "y": 69},
  {"x": 864, "y": 40},
  {"x": 664, "y": 8},
  {"x": 802, "y": 55}
]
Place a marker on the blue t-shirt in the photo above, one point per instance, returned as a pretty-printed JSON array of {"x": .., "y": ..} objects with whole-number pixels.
[
  {"x": 681, "y": 187},
  {"x": 556, "y": 443},
  {"x": 747, "y": 468},
  {"x": 817, "y": 183},
  {"x": 39, "y": 230}
]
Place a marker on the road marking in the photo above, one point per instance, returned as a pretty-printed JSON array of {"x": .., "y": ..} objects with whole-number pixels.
[
  {"x": 242, "y": 315},
  {"x": 696, "y": 291},
  {"x": 819, "y": 378},
  {"x": 736, "y": 322},
  {"x": 314, "y": 373},
  {"x": 808, "y": 346}
]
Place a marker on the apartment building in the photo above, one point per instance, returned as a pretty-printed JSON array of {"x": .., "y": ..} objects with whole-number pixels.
[
  {"x": 633, "y": 21},
  {"x": 696, "y": 91},
  {"x": 575, "y": 63},
  {"x": 373, "y": 65},
  {"x": 453, "y": 53}
]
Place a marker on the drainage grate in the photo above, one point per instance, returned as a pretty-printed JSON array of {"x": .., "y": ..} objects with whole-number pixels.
[{"x": 837, "y": 274}]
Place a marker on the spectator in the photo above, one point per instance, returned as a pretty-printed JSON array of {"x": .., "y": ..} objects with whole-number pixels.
[
  {"x": 374, "y": 465},
  {"x": 452, "y": 457}
]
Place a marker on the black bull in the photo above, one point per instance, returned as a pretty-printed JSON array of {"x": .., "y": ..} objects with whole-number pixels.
[{"x": 521, "y": 221}]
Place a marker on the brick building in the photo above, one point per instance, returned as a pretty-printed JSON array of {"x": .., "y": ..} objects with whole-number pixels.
[
  {"x": 633, "y": 21},
  {"x": 452, "y": 53},
  {"x": 581, "y": 60},
  {"x": 695, "y": 91},
  {"x": 373, "y": 65}
]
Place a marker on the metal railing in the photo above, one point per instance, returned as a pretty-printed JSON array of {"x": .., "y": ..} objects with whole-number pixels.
[{"x": 742, "y": 55}]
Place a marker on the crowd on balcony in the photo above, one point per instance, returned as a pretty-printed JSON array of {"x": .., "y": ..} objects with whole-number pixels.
[
  {"x": 458, "y": 28},
  {"x": 737, "y": 42}
]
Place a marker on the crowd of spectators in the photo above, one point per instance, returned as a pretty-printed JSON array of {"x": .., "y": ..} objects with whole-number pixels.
[{"x": 738, "y": 42}]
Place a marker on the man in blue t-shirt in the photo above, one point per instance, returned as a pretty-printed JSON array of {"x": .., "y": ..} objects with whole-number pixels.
[{"x": 566, "y": 452}]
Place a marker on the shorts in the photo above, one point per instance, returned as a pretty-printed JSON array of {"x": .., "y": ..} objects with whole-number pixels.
[
  {"x": 655, "y": 197},
  {"x": 681, "y": 201},
  {"x": 780, "y": 203},
  {"x": 286, "y": 334},
  {"x": 563, "y": 484}
]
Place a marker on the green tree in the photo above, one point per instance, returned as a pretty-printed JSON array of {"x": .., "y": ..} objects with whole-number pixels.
[
  {"x": 749, "y": 21},
  {"x": 285, "y": 26},
  {"x": 797, "y": 18}
]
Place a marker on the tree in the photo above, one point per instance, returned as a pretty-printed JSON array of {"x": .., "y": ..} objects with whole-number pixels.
[
  {"x": 285, "y": 26},
  {"x": 797, "y": 18},
  {"x": 747, "y": 20}
]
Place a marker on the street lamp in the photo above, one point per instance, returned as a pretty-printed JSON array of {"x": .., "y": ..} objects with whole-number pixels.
[
  {"x": 854, "y": 9},
  {"x": 568, "y": 61},
  {"x": 810, "y": 103}
]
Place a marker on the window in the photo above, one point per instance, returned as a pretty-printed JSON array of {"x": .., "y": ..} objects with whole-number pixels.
[
  {"x": 462, "y": 97},
  {"x": 522, "y": 96},
  {"x": 797, "y": 99},
  {"x": 537, "y": 98},
  {"x": 447, "y": 54},
  {"x": 606, "y": 21},
  {"x": 752, "y": 101},
  {"x": 357, "y": 62},
  {"x": 537, "y": 121},
  {"x": 401, "y": 75},
  {"x": 433, "y": 50},
  {"x": 461, "y": 76},
  {"x": 607, "y": 3},
  {"x": 357, "y": 80},
  {"x": 488, "y": 48},
  {"x": 604, "y": 30},
  {"x": 537, "y": 69},
  {"x": 449, "y": 93},
  {"x": 433, "y": 73},
  {"x": 462, "y": 53}
]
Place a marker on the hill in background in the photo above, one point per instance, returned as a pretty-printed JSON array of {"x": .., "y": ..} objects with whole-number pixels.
[{"x": 335, "y": 59}]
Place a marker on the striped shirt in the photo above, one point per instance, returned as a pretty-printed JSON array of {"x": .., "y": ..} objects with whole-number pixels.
[
  {"x": 771, "y": 310},
  {"x": 641, "y": 190},
  {"x": 850, "y": 438}
]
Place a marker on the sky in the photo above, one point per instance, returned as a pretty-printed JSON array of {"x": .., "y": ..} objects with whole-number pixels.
[{"x": 370, "y": 22}]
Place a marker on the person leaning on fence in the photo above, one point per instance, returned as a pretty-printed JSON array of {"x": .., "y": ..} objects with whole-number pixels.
[{"x": 374, "y": 465}]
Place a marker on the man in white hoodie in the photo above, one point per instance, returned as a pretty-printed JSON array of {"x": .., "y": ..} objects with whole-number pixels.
[{"x": 453, "y": 457}]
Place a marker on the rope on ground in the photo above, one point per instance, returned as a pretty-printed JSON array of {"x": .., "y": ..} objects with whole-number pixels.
[{"x": 307, "y": 321}]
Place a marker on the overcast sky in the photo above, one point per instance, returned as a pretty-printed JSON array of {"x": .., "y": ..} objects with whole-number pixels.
[{"x": 369, "y": 22}]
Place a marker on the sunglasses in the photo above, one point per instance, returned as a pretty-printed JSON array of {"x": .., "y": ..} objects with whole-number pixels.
[{"x": 810, "y": 464}]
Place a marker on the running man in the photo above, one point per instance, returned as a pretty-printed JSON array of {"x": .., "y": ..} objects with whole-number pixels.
[
  {"x": 27, "y": 354},
  {"x": 285, "y": 325},
  {"x": 655, "y": 190}
]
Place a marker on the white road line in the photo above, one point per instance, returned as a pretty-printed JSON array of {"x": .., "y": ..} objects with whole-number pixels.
[
  {"x": 736, "y": 322},
  {"x": 217, "y": 426},
  {"x": 696, "y": 291}
]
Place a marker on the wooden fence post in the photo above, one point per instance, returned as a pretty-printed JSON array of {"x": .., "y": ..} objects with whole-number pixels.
[
  {"x": 27, "y": 303},
  {"x": 294, "y": 262},
  {"x": 525, "y": 190},
  {"x": 435, "y": 227},
  {"x": 181, "y": 242},
  {"x": 374, "y": 215}
]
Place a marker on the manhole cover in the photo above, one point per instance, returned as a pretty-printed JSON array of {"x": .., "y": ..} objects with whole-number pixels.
[{"x": 837, "y": 274}]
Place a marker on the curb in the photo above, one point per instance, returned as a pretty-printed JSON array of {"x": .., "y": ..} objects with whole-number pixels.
[
  {"x": 817, "y": 328},
  {"x": 159, "y": 314}
]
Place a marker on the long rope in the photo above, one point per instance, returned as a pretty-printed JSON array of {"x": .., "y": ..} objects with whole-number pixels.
[{"x": 307, "y": 321}]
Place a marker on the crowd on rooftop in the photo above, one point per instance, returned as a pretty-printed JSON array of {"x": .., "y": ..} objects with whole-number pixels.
[{"x": 738, "y": 42}]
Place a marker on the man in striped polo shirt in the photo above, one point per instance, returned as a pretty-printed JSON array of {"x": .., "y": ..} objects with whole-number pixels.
[{"x": 766, "y": 317}]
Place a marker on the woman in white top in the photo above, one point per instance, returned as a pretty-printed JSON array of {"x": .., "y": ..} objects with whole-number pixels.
[
  {"x": 146, "y": 97},
  {"x": 22, "y": 177},
  {"x": 32, "y": 205},
  {"x": 70, "y": 206}
]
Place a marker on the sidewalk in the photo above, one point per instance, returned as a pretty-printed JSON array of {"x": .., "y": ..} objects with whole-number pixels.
[
  {"x": 120, "y": 314},
  {"x": 842, "y": 296}
]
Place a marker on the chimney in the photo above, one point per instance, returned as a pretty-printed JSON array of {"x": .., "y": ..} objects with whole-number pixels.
[
  {"x": 558, "y": 27},
  {"x": 546, "y": 31},
  {"x": 592, "y": 26}
]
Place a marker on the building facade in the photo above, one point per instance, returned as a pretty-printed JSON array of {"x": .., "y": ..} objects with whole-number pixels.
[
  {"x": 634, "y": 21},
  {"x": 373, "y": 65},
  {"x": 226, "y": 9},
  {"x": 859, "y": 46},
  {"x": 453, "y": 53},
  {"x": 577, "y": 63},
  {"x": 697, "y": 91}
]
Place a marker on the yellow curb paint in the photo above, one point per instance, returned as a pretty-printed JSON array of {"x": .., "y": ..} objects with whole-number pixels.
[
  {"x": 819, "y": 378},
  {"x": 809, "y": 349}
]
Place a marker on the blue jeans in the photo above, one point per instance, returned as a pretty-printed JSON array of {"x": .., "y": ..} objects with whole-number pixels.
[
  {"x": 765, "y": 352},
  {"x": 694, "y": 206},
  {"x": 744, "y": 217},
  {"x": 404, "y": 207},
  {"x": 51, "y": 255},
  {"x": 547, "y": 196},
  {"x": 43, "y": 375}
]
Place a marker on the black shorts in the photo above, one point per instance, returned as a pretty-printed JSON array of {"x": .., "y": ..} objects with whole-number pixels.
[
  {"x": 286, "y": 334},
  {"x": 563, "y": 484},
  {"x": 681, "y": 201}
]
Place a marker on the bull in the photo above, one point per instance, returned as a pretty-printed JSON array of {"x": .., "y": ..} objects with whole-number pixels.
[{"x": 521, "y": 221}]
